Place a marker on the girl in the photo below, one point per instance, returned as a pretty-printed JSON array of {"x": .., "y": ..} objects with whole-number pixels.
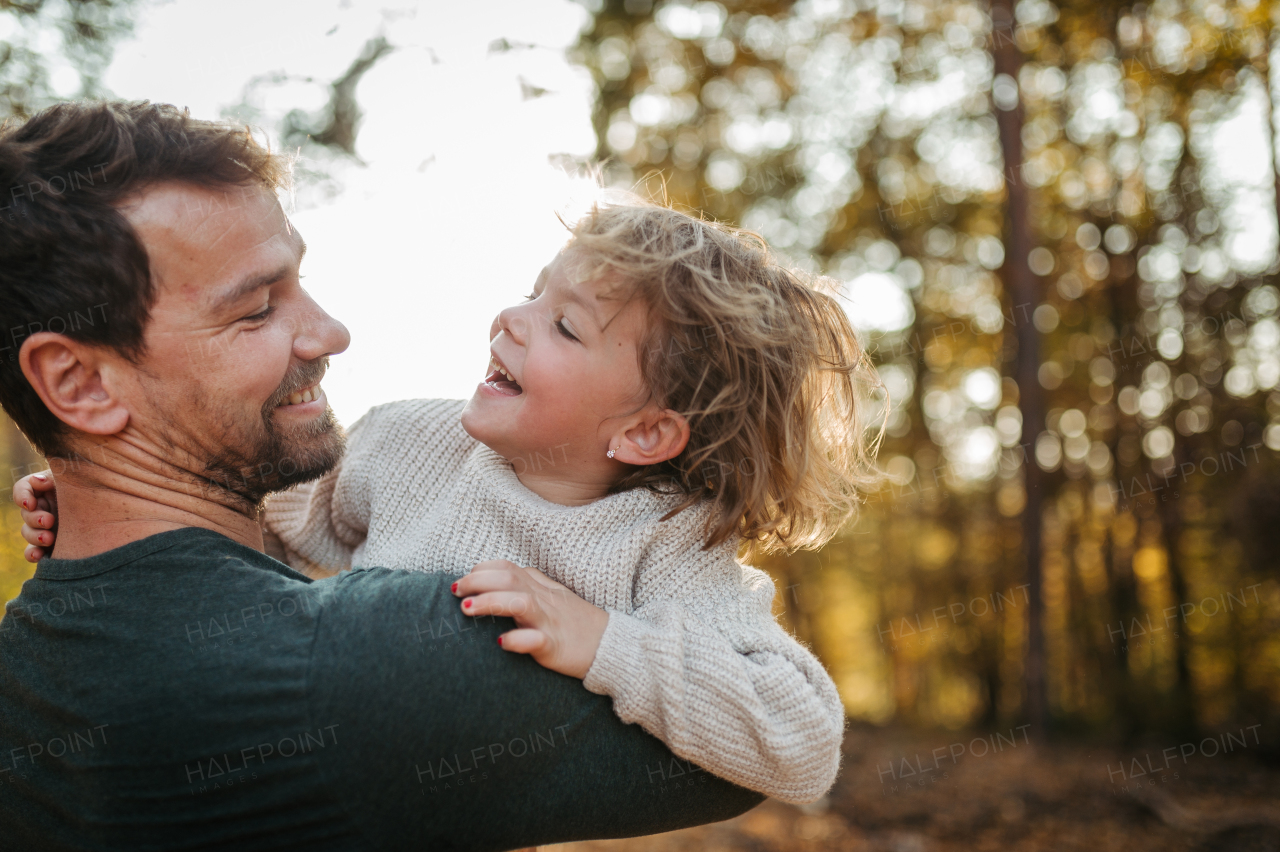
[{"x": 667, "y": 397}]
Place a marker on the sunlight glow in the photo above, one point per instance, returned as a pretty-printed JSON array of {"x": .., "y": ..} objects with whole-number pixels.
[{"x": 453, "y": 213}]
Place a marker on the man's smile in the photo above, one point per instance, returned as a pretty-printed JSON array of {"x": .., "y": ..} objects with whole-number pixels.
[{"x": 309, "y": 394}]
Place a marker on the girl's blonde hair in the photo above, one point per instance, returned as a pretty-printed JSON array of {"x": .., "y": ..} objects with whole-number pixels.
[{"x": 763, "y": 364}]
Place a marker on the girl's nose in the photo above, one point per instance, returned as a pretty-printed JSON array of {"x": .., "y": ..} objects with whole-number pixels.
[{"x": 514, "y": 322}]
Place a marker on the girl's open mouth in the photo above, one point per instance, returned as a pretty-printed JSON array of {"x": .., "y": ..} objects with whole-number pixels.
[{"x": 501, "y": 380}]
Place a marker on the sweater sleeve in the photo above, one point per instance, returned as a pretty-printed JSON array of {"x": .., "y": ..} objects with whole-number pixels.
[
  {"x": 319, "y": 524},
  {"x": 707, "y": 670}
]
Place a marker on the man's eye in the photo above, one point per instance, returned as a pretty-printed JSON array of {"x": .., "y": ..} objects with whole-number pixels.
[
  {"x": 560, "y": 327},
  {"x": 259, "y": 317}
]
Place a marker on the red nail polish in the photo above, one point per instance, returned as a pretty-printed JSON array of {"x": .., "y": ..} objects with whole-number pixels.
[
  {"x": 466, "y": 604},
  {"x": 499, "y": 641},
  {"x": 454, "y": 587}
]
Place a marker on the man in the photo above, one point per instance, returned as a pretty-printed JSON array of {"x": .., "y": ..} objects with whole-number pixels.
[{"x": 163, "y": 683}]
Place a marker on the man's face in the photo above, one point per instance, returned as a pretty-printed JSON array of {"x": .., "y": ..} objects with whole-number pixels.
[{"x": 228, "y": 387}]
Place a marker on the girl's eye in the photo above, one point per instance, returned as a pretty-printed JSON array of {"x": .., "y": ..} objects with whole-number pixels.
[
  {"x": 560, "y": 327},
  {"x": 531, "y": 297}
]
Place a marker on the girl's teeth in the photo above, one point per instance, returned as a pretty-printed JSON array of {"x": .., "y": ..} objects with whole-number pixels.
[{"x": 493, "y": 363}]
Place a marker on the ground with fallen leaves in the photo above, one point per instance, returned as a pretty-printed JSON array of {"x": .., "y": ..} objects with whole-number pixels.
[{"x": 905, "y": 792}]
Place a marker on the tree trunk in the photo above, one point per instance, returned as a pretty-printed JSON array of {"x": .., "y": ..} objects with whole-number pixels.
[
  {"x": 1024, "y": 293},
  {"x": 1267, "y": 72},
  {"x": 1123, "y": 592},
  {"x": 1181, "y": 713}
]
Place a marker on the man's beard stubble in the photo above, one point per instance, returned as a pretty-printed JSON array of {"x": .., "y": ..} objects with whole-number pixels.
[{"x": 274, "y": 461}]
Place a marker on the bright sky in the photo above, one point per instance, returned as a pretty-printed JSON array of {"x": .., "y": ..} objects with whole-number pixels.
[{"x": 453, "y": 216}]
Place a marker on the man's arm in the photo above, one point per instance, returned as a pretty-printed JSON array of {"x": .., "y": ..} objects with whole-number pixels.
[{"x": 449, "y": 743}]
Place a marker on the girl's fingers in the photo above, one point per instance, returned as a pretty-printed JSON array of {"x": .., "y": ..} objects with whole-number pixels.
[
  {"x": 488, "y": 581},
  {"x": 33, "y": 554},
  {"x": 37, "y": 520},
  {"x": 39, "y": 538},
  {"x": 494, "y": 565},
  {"x": 24, "y": 496},
  {"x": 542, "y": 579},
  {"x": 41, "y": 482},
  {"x": 511, "y": 604},
  {"x": 28, "y": 490},
  {"x": 523, "y": 641}
]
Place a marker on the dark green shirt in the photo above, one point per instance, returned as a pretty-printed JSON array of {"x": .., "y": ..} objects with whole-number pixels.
[{"x": 186, "y": 692}]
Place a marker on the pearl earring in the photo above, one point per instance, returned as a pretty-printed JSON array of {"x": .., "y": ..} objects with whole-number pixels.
[{"x": 611, "y": 452}]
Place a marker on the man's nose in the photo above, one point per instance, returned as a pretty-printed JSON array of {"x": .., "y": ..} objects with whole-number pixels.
[{"x": 320, "y": 335}]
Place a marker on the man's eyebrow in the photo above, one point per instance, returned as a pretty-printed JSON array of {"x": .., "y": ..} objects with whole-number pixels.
[
  {"x": 256, "y": 282},
  {"x": 251, "y": 283}
]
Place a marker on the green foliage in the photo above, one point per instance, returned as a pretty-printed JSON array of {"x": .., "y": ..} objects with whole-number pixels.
[{"x": 55, "y": 50}]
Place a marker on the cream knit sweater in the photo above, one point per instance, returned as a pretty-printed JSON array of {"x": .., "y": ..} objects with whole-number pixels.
[{"x": 691, "y": 651}]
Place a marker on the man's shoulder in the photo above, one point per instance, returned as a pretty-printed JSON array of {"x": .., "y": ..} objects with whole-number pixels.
[
  {"x": 228, "y": 573},
  {"x": 188, "y": 545},
  {"x": 196, "y": 594},
  {"x": 187, "y": 656}
]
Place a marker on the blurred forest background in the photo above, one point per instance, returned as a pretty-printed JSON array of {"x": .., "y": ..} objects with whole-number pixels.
[{"x": 1056, "y": 225}]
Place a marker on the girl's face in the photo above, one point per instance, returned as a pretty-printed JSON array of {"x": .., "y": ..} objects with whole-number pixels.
[{"x": 564, "y": 367}]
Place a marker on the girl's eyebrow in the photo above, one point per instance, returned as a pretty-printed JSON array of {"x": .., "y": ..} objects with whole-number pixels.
[
  {"x": 588, "y": 304},
  {"x": 571, "y": 294}
]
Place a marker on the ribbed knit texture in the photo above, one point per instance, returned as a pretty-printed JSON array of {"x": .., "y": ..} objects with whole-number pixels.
[{"x": 691, "y": 652}]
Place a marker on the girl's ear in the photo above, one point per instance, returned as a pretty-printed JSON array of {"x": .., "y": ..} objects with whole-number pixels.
[{"x": 651, "y": 437}]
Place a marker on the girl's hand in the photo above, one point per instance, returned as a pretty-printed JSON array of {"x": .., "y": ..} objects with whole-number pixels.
[
  {"x": 556, "y": 627},
  {"x": 37, "y": 502}
]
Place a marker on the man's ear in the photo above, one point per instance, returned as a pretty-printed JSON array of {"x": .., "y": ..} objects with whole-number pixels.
[
  {"x": 73, "y": 380},
  {"x": 650, "y": 437}
]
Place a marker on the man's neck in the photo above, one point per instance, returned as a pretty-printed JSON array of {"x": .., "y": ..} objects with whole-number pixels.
[{"x": 114, "y": 493}]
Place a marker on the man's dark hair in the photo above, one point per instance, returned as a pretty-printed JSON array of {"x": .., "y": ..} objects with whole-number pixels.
[{"x": 69, "y": 260}]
